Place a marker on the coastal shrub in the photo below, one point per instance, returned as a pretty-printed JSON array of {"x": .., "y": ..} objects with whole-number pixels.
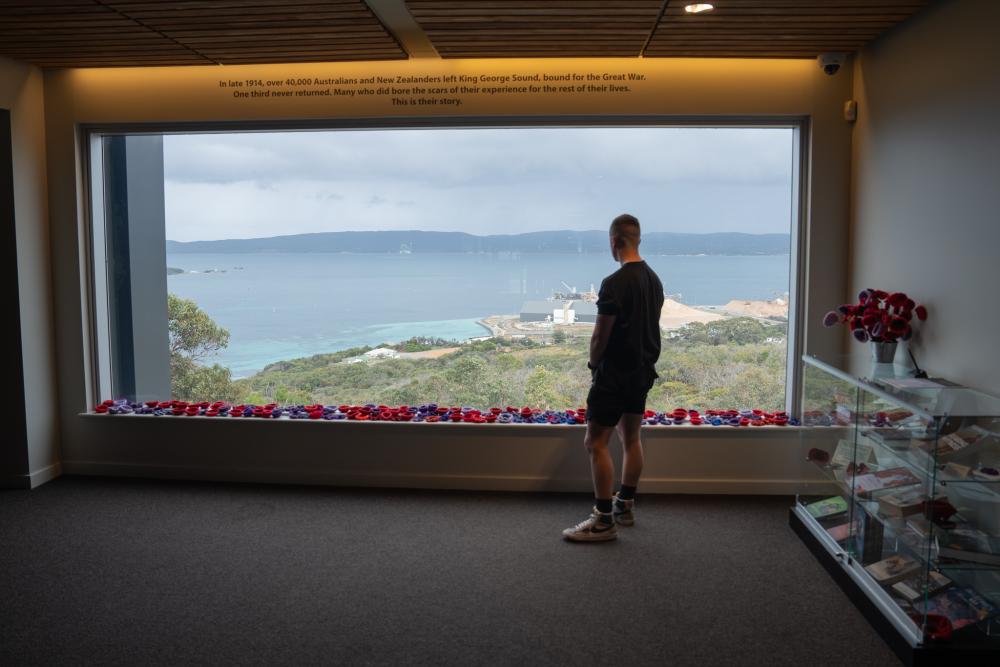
[
  {"x": 738, "y": 363},
  {"x": 738, "y": 331}
]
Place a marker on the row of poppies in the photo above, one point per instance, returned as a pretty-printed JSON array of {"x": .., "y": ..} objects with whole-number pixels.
[{"x": 432, "y": 412}]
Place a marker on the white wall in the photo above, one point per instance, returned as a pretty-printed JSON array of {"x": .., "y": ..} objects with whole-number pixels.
[
  {"x": 672, "y": 88},
  {"x": 677, "y": 459},
  {"x": 21, "y": 91},
  {"x": 926, "y": 182}
]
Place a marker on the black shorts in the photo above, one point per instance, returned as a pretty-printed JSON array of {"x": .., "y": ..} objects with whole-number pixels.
[{"x": 606, "y": 404}]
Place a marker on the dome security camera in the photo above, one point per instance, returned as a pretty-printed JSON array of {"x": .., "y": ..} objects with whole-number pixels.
[{"x": 830, "y": 62}]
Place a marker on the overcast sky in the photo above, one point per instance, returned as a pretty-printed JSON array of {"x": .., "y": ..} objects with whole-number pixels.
[{"x": 481, "y": 181}]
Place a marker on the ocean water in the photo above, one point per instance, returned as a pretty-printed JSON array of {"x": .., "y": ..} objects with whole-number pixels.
[{"x": 286, "y": 305}]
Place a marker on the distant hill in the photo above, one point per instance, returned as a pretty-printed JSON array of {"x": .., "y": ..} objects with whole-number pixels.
[{"x": 569, "y": 242}]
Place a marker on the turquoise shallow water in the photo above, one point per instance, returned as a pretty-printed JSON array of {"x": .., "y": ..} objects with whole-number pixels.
[{"x": 286, "y": 305}]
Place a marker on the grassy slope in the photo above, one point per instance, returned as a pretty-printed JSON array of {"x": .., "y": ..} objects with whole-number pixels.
[{"x": 716, "y": 366}]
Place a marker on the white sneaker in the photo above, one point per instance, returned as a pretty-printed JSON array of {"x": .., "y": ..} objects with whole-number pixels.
[
  {"x": 592, "y": 529},
  {"x": 622, "y": 510}
]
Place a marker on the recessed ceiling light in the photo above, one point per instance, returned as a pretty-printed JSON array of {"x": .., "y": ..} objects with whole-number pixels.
[{"x": 698, "y": 8}]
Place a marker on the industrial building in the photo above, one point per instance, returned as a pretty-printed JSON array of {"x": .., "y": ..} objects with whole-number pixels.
[{"x": 559, "y": 312}]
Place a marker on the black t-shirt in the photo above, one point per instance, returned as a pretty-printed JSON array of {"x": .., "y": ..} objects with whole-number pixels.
[{"x": 634, "y": 295}]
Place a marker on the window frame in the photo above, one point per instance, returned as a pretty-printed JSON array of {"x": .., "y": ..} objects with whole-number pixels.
[{"x": 97, "y": 359}]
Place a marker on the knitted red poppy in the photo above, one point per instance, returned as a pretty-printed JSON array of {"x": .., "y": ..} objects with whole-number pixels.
[{"x": 878, "y": 316}]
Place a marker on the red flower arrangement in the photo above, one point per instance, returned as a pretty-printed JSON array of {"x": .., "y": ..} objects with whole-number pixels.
[{"x": 878, "y": 316}]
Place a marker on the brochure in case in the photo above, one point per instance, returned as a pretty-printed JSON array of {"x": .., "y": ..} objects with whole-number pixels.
[
  {"x": 827, "y": 507},
  {"x": 969, "y": 545},
  {"x": 866, "y": 485},
  {"x": 961, "y": 606},
  {"x": 847, "y": 451},
  {"x": 892, "y": 569},
  {"x": 912, "y": 589},
  {"x": 902, "y": 503},
  {"x": 840, "y": 533},
  {"x": 949, "y": 445}
]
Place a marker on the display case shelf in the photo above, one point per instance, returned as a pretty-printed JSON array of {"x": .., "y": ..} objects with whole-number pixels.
[{"x": 901, "y": 500}]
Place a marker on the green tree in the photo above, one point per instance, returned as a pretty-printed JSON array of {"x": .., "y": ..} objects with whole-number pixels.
[
  {"x": 193, "y": 336},
  {"x": 505, "y": 362},
  {"x": 468, "y": 370},
  {"x": 192, "y": 382},
  {"x": 540, "y": 389},
  {"x": 738, "y": 330},
  {"x": 192, "y": 331}
]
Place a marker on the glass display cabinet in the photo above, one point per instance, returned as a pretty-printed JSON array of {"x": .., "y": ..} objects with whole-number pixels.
[{"x": 900, "y": 500}]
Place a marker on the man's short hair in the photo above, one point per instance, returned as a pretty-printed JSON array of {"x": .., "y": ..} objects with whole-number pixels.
[{"x": 626, "y": 226}]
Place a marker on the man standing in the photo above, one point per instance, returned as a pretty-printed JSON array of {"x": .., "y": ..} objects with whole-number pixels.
[{"x": 623, "y": 352}]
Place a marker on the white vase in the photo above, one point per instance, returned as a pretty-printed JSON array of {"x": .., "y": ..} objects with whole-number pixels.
[{"x": 883, "y": 352}]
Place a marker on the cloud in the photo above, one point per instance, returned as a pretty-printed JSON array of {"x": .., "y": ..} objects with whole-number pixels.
[{"x": 476, "y": 180}]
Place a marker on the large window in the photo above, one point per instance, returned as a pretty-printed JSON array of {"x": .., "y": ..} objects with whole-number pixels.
[{"x": 448, "y": 265}]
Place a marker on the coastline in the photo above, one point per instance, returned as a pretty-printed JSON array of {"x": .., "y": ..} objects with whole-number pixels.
[
  {"x": 244, "y": 361},
  {"x": 674, "y": 316},
  {"x": 285, "y": 306}
]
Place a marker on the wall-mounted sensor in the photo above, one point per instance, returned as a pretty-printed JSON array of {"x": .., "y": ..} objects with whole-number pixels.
[{"x": 851, "y": 110}]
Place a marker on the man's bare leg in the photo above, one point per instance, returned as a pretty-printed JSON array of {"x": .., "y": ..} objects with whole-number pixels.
[
  {"x": 602, "y": 469},
  {"x": 600, "y": 525},
  {"x": 629, "y": 427}
]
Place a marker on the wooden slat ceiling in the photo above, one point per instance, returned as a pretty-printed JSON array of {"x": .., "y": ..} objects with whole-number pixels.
[
  {"x": 740, "y": 28},
  {"x": 118, "y": 33},
  {"x": 527, "y": 28},
  {"x": 776, "y": 28},
  {"x": 101, "y": 33}
]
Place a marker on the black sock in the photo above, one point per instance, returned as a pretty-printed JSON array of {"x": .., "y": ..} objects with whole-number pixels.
[
  {"x": 627, "y": 492},
  {"x": 603, "y": 505}
]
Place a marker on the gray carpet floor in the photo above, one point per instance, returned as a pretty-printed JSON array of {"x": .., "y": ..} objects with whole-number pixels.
[{"x": 105, "y": 571}]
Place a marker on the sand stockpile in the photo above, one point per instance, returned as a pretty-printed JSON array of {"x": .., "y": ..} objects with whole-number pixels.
[
  {"x": 428, "y": 354},
  {"x": 674, "y": 315},
  {"x": 776, "y": 308}
]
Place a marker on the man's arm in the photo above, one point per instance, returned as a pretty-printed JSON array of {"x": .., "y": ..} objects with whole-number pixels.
[{"x": 599, "y": 339}]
